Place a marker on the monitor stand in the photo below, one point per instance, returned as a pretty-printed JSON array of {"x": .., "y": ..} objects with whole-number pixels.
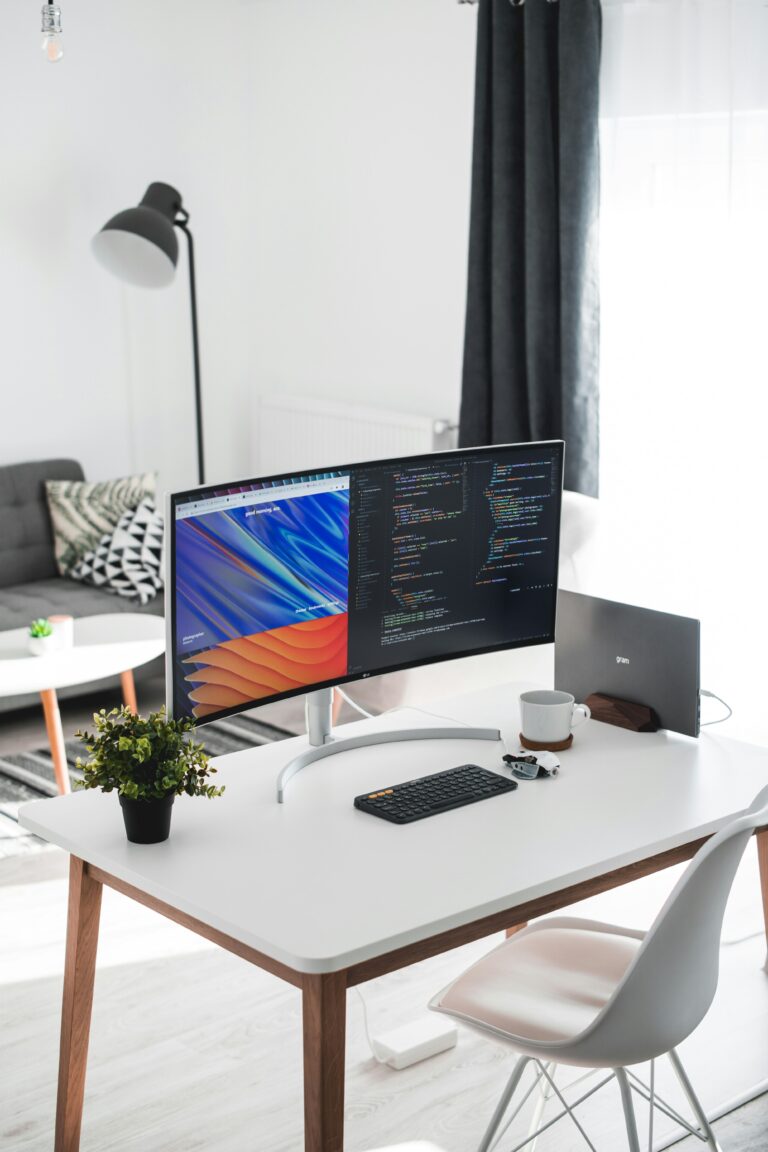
[{"x": 324, "y": 743}]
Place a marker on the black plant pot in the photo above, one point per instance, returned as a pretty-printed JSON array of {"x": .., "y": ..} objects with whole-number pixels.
[{"x": 147, "y": 821}]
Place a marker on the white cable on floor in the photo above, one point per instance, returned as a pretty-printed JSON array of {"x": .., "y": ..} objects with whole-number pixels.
[{"x": 368, "y": 1037}]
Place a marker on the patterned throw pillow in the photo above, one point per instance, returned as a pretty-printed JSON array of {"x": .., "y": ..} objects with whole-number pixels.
[
  {"x": 129, "y": 560},
  {"x": 82, "y": 512}
]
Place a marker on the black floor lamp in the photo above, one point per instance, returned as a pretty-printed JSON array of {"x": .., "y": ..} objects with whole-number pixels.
[{"x": 139, "y": 245}]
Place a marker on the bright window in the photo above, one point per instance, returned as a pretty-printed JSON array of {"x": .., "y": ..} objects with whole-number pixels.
[{"x": 684, "y": 361}]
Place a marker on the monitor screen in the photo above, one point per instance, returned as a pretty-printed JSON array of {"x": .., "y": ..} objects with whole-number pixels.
[{"x": 290, "y": 583}]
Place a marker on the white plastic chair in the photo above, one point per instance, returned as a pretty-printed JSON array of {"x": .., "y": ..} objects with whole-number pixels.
[
  {"x": 579, "y": 992},
  {"x": 579, "y": 522}
]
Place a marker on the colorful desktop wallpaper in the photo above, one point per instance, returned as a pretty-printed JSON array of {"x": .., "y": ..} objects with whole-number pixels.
[{"x": 261, "y": 600}]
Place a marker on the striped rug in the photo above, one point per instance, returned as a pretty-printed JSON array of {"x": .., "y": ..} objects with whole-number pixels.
[{"x": 30, "y": 776}]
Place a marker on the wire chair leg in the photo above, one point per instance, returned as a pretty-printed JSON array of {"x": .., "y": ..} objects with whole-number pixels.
[
  {"x": 545, "y": 1092},
  {"x": 503, "y": 1103},
  {"x": 693, "y": 1100},
  {"x": 629, "y": 1110}
]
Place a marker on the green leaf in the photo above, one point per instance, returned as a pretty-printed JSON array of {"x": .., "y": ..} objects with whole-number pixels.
[{"x": 145, "y": 758}]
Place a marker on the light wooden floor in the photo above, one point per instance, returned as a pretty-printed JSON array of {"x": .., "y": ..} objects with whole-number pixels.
[{"x": 194, "y": 1049}]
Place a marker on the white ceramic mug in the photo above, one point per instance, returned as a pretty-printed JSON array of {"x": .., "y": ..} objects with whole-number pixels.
[{"x": 549, "y": 717}]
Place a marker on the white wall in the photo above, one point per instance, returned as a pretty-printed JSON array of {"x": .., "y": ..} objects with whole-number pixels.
[
  {"x": 361, "y": 150},
  {"x": 323, "y": 150},
  {"x": 92, "y": 369}
]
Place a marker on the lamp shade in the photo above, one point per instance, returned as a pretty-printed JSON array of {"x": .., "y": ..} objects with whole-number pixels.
[{"x": 139, "y": 245}]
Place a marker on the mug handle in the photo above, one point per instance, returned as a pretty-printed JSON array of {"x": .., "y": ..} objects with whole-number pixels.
[{"x": 585, "y": 714}]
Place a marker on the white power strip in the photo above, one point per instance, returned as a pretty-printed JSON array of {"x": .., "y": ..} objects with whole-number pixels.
[
  {"x": 419, "y": 1146},
  {"x": 414, "y": 1042}
]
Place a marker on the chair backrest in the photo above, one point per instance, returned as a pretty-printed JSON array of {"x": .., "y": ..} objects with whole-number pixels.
[
  {"x": 578, "y": 524},
  {"x": 669, "y": 986},
  {"x": 26, "y": 536}
]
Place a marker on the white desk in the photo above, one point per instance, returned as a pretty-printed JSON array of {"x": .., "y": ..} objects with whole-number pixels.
[{"x": 327, "y": 897}]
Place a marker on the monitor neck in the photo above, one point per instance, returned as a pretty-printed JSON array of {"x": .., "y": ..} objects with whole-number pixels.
[{"x": 318, "y": 711}]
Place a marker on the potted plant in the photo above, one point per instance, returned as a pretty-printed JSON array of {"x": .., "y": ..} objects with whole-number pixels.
[
  {"x": 41, "y": 638},
  {"x": 149, "y": 762}
]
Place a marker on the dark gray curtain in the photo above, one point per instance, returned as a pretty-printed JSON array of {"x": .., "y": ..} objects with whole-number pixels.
[{"x": 531, "y": 341}]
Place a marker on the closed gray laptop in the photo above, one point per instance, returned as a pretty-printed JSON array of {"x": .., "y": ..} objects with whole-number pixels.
[{"x": 632, "y": 653}]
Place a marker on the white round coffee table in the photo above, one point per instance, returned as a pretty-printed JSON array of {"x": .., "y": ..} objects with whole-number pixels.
[{"x": 104, "y": 646}]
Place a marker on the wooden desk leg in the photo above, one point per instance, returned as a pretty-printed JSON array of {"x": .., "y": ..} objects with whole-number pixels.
[
  {"x": 55, "y": 738},
  {"x": 325, "y": 1038},
  {"x": 762, "y": 863},
  {"x": 79, "y": 971},
  {"x": 129, "y": 690}
]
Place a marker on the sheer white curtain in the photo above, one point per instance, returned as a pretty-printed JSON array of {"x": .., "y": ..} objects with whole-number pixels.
[{"x": 684, "y": 287}]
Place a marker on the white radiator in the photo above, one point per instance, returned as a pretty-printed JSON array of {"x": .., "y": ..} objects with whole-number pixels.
[{"x": 300, "y": 433}]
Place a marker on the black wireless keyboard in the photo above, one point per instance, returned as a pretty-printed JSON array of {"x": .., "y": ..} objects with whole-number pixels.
[{"x": 417, "y": 799}]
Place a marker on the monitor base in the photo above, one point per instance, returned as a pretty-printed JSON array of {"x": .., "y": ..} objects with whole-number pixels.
[{"x": 324, "y": 744}]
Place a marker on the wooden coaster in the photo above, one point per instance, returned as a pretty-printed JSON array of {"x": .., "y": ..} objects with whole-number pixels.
[{"x": 554, "y": 746}]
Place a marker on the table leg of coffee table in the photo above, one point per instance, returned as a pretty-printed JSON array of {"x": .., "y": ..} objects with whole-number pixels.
[
  {"x": 129, "y": 691},
  {"x": 516, "y": 928},
  {"x": 55, "y": 738}
]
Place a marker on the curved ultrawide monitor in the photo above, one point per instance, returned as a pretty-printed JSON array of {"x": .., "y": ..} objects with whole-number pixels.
[{"x": 282, "y": 585}]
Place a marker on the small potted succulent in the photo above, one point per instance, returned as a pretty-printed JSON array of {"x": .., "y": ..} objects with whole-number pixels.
[
  {"x": 41, "y": 639},
  {"x": 148, "y": 762}
]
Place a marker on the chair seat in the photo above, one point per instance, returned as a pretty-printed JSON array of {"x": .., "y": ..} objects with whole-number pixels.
[
  {"x": 544, "y": 985},
  {"x": 591, "y": 995}
]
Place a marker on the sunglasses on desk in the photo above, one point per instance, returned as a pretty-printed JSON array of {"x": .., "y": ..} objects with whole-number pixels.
[{"x": 527, "y": 767}]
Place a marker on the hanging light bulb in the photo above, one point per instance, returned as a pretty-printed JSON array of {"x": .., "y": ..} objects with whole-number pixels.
[{"x": 51, "y": 29}]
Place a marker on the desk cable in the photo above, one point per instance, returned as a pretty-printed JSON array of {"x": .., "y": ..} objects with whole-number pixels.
[
  {"x": 411, "y": 707},
  {"x": 371, "y": 1042},
  {"x": 425, "y": 712},
  {"x": 722, "y": 719},
  {"x": 357, "y": 707},
  {"x": 369, "y": 716}
]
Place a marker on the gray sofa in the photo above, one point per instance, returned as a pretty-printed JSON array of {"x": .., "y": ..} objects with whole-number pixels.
[{"x": 30, "y": 585}]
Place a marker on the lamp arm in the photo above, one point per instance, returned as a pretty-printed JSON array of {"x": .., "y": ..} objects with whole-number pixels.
[{"x": 182, "y": 225}]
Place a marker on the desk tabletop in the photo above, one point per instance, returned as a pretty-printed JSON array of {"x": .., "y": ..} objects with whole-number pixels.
[{"x": 319, "y": 886}]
